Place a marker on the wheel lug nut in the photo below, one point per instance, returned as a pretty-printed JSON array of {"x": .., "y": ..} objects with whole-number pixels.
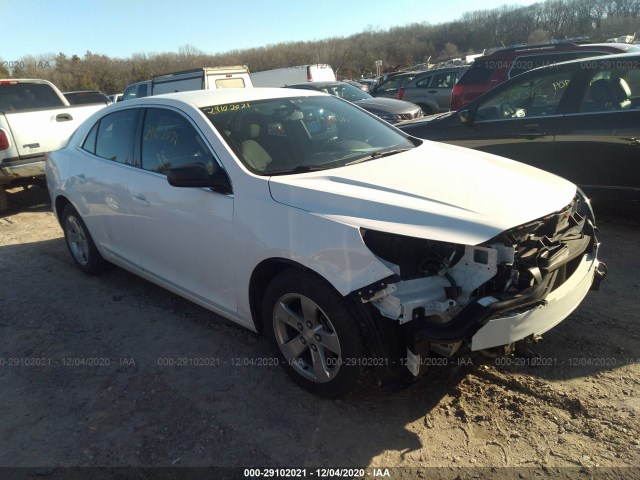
[
  {"x": 317, "y": 337},
  {"x": 309, "y": 325},
  {"x": 314, "y": 348},
  {"x": 300, "y": 327},
  {"x": 303, "y": 341}
]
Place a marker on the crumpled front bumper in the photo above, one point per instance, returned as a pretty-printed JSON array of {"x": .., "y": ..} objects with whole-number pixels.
[{"x": 557, "y": 306}]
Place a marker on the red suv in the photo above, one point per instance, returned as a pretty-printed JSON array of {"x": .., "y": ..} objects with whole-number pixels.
[{"x": 491, "y": 70}]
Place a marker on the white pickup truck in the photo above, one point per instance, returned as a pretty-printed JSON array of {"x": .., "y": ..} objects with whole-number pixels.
[
  {"x": 35, "y": 118},
  {"x": 205, "y": 78}
]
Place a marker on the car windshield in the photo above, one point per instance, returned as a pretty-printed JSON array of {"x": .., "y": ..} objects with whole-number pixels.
[
  {"x": 292, "y": 135},
  {"x": 346, "y": 91}
]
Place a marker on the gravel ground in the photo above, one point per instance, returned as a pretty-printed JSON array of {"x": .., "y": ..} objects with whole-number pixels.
[{"x": 98, "y": 372}]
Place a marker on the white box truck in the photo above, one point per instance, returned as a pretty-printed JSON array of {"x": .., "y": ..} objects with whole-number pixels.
[
  {"x": 209, "y": 78},
  {"x": 281, "y": 77}
]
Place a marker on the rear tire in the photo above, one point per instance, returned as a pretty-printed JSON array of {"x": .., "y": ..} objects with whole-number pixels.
[
  {"x": 81, "y": 246},
  {"x": 313, "y": 334}
]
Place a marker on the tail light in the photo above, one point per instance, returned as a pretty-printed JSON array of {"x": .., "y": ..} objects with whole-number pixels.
[
  {"x": 456, "y": 97},
  {"x": 4, "y": 140},
  {"x": 400, "y": 93}
]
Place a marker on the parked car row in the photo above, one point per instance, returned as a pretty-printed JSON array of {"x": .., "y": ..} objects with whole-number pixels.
[
  {"x": 491, "y": 70},
  {"x": 391, "y": 110},
  {"x": 579, "y": 119}
]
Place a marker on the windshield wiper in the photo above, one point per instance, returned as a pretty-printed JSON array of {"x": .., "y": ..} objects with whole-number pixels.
[
  {"x": 378, "y": 154},
  {"x": 298, "y": 169}
]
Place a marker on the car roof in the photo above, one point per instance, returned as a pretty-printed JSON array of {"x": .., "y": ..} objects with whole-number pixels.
[
  {"x": 404, "y": 74},
  {"x": 608, "y": 59},
  {"x": 326, "y": 83},
  {"x": 83, "y": 91},
  {"x": 206, "y": 98},
  {"x": 560, "y": 47}
]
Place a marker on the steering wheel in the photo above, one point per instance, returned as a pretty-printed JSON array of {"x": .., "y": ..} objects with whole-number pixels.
[{"x": 507, "y": 110}]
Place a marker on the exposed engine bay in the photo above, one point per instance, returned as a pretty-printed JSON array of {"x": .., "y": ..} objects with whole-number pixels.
[{"x": 449, "y": 291}]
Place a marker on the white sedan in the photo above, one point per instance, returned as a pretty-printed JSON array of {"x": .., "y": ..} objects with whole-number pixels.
[{"x": 354, "y": 247}]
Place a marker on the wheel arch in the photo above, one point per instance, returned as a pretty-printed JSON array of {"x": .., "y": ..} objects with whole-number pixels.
[
  {"x": 262, "y": 275},
  {"x": 424, "y": 105},
  {"x": 376, "y": 341},
  {"x": 59, "y": 205}
]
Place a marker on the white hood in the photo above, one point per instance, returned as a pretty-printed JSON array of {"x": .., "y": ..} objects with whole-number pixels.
[{"x": 435, "y": 191}]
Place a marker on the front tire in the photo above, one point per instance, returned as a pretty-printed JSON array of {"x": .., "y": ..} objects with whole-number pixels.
[
  {"x": 426, "y": 111},
  {"x": 4, "y": 202},
  {"x": 81, "y": 246},
  {"x": 313, "y": 334}
]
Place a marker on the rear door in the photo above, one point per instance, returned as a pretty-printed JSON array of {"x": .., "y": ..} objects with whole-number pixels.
[
  {"x": 440, "y": 88},
  {"x": 98, "y": 182}
]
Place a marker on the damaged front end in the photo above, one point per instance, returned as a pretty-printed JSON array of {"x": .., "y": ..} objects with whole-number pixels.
[{"x": 449, "y": 299}]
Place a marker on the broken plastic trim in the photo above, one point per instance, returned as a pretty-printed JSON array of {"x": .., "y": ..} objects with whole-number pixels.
[
  {"x": 475, "y": 315},
  {"x": 366, "y": 293}
]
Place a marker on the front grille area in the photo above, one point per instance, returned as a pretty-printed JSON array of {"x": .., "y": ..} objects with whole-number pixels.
[
  {"x": 411, "y": 116},
  {"x": 554, "y": 243}
]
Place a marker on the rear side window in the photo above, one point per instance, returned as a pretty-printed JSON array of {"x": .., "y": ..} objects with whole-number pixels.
[
  {"x": 445, "y": 80},
  {"x": 112, "y": 136},
  {"x": 480, "y": 71},
  {"x": 142, "y": 90},
  {"x": 15, "y": 97},
  {"x": 393, "y": 84},
  {"x": 424, "y": 82}
]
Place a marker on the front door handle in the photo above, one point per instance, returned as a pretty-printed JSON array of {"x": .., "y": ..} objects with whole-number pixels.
[
  {"x": 64, "y": 117},
  {"x": 141, "y": 199},
  {"x": 532, "y": 135}
]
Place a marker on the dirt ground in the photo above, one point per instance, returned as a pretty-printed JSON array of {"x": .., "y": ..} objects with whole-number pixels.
[{"x": 86, "y": 380}]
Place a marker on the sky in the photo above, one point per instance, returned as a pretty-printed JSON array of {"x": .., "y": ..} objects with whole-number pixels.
[{"x": 120, "y": 28}]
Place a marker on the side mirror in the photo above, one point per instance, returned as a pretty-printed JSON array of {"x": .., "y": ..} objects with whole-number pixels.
[
  {"x": 196, "y": 175},
  {"x": 465, "y": 116}
]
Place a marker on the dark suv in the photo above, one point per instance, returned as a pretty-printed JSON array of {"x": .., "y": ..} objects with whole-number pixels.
[{"x": 491, "y": 70}]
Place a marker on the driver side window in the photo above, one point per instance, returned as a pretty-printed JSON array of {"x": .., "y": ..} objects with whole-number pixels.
[{"x": 534, "y": 97}]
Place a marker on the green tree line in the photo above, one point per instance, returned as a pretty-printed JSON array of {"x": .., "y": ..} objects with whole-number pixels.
[{"x": 355, "y": 55}]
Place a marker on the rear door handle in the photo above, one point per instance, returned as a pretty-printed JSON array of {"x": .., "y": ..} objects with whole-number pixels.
[
  {"x": 141, "y": 199},
  {"x": 63, "y": 117},
  {"x": 432, "y": 91},
  {"x": 82, "y": 178}
]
